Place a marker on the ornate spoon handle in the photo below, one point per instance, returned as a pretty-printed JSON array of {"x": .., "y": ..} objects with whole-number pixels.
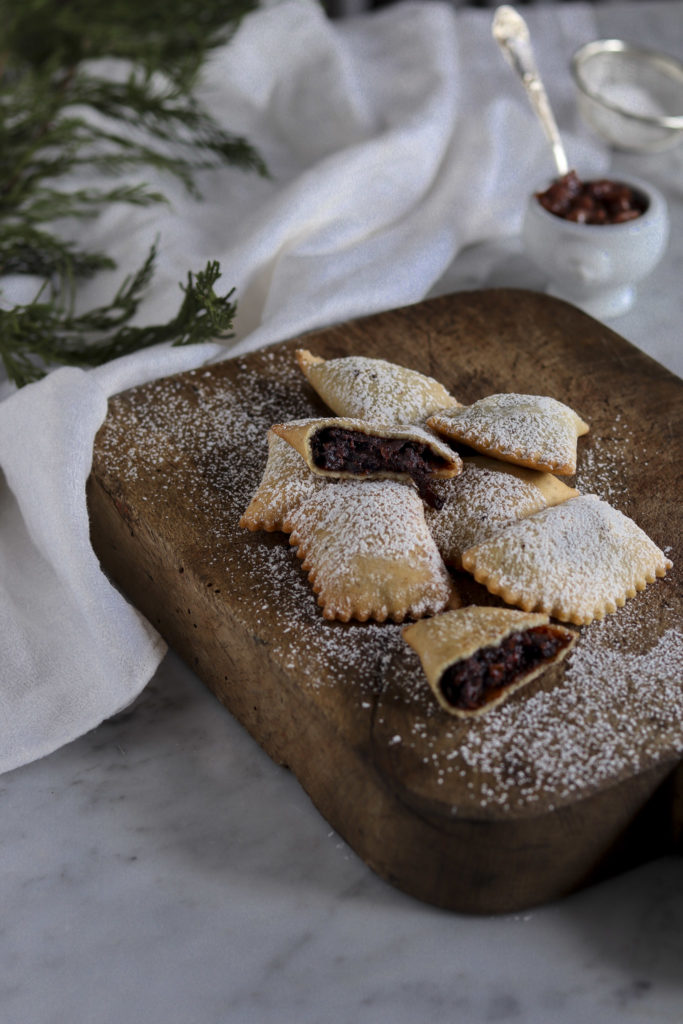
[{"x": 512, "y": 35}]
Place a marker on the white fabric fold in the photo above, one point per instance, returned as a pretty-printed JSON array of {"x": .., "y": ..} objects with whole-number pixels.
[
  {"x": 72, "y": 650},
  {"x": 393, "y": 141}
]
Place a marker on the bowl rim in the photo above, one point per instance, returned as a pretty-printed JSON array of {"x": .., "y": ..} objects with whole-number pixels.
[{"x": 664, "y": 61}]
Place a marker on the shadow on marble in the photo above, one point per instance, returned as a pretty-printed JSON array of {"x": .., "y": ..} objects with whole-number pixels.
[
  {"x": 634, "y": 924},
  {"x": 186, "y": 779}
]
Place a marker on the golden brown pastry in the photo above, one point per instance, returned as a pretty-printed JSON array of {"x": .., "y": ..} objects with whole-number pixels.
[
  {"x": 576, "y": 561},
  {"x": 341, "y": 447},
  {"x": 475, "y": 657},
  {"x": 486, "y": 497},
  {"x": 368, "y": 552},
  {"x": 529, "y": 430},
  {"x": 373, "y": 389}
]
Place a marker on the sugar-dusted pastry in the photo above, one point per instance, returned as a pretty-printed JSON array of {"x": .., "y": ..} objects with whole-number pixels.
[
  {"x": 486, "y": 497},
  {"x": 475, "y": 657},
  {"x": 576, "y": 561},
  {"x": 529, "y": 430},
  {"x": 341, "y": 447},
  {"x": 368, "y": 552},
  {"x": 374, "y": 389},
  {"x": 286, "y": 483}
]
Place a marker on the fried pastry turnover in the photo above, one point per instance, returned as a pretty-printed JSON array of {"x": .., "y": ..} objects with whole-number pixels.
[
  {"x": 576, "y": 561},
  {"x": 341, "y": 447},
  {"x": 368, "y": 552},
  {"x": 529, "y": 430},
  {"x": 485, "y": 498},
  {"x": 475, "y": 657},
  {"x": 374, "y": 389}
]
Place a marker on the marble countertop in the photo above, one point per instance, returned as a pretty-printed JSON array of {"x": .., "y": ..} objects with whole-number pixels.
[{"x": 162, "y": 869}]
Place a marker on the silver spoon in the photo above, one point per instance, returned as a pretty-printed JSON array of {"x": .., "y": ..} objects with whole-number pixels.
[{"x": 512, "y": 35}]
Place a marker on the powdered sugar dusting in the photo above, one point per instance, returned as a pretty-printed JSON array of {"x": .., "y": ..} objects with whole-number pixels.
[
  {"x": 377, "y": 390},
  {"x": 286, "y": 483},
  {"x": 214, "y": 431},
  {"x": 364, "y": 516},
  {"x": 605, "y": 460},
  {"x": 576, "y": 561},
  {"x": 609, "y": 715},
  {"x": 199, "y": 442},
  {"x": 477, "y": 504},
  {"x": 533, "y": 430},
  {"x": 569, "y": 740},
  {"x": 369, "y": 551}
]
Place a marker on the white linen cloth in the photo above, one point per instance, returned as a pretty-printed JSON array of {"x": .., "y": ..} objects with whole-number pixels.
[{"x": 393, "y": 141}]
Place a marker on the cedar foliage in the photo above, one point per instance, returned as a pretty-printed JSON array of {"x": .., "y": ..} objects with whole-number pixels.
[{"x": 63, "y": 113}]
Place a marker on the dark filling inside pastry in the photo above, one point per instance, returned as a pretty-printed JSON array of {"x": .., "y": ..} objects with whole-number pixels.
[
  {"x": 474, "y": 681},
  {"x": 351, "y": 451}
]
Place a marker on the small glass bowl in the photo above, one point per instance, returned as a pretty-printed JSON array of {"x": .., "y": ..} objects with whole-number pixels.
[
  {"x": 632, "y": 97},
  {"x": 597, "y": 266}
]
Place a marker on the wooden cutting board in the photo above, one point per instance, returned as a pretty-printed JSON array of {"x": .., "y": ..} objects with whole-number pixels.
[{"x": 576, "y": 777}]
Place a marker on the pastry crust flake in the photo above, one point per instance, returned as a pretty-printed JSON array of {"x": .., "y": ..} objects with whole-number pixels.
[
  {"x": 368, "y": 552},
  {"x": 529, "y": 430},
  {"x": 485, "y": 498},
  {"x": 475, "y": 657},
  {"x": 374, "y": 389},
  {"x": 576, "y": 561}
]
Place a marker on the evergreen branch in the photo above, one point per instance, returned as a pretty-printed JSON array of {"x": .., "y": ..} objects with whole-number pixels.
[
  {"x": 61, "y": 114},
  {"x": 190, "y": 140},
  {"x": 50, "y": 204},
  {"x": 164, "y": 113},
  {"x": 37, "y": 335},
  {"x": 28, "y": 250}
]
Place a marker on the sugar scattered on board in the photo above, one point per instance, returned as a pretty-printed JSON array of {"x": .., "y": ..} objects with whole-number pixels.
[{"x": 612, "y": 710}]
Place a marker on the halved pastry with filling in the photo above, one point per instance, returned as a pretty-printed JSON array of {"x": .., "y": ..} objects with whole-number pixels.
[
  {"x": 529, "y": 430},
  {"x": 485, "y": 498},
  {"x": 341, "y": 447},
  {"x": 576, "y": 561},
  {"x": 368, "y": 552},
  {"x": 286, "y": 483},
  {"x": 475, "y": 657},
  {"x": 374, "y": 389}
]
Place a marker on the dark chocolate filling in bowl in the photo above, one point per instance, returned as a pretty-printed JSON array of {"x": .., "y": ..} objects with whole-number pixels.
[
  {"x": 471, "y": 683},
  {"x": 350, "y": 451},
  {"x": 592, "y": 202}
]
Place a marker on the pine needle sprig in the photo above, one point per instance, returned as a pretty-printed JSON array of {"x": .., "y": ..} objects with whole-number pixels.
[
  {"x": 48, "y": 204},
  {"x": 169, "y": 35},
  {"x": 25, "y": 249},
  {"x": 89, "y": 93},
  {"x": 104, "y": 333}
]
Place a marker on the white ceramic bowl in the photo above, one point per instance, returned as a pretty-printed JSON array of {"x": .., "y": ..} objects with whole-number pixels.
[
  {"x": 632, "y": 97},
  {"x": 596, "y": 266}
]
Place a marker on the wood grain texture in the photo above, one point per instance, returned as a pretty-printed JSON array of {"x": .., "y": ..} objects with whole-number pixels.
[{"x": 469, "y": 817}]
